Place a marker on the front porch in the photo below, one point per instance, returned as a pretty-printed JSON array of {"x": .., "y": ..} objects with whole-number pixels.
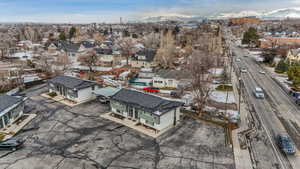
[
  {"x": 16, "y": 126},
  {"x": 134, "y": 124},
  {"x": 61, "y": 100}
]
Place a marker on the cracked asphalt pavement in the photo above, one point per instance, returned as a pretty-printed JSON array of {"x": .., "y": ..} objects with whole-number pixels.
[{"x": 62, "y": 137}]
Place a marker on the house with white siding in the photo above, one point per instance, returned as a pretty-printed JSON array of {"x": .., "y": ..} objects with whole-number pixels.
[
  {"x": 152, "y": 111},
  {"x": 170, "y": 78},
  {"x": 73, "y": 88},
  {"x": 11, "y": 109}
]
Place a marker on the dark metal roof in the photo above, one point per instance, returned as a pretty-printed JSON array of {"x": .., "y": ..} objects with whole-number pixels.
[
  {"x": 149, "y": 103},
  {"x": 7, "y": 101},
  {"x": 174, "y": 74},
  {"x": 71, "y": 82},
  {"x": 87, "y": 44},
  {"x": 104, "y": 51},
  {"x": 148, "y": 53}
]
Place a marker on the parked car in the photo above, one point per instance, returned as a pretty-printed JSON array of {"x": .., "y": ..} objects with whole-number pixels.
[
  {"x": 298, "y": 101},
  {"x": 151, "y": 89},
  {"x": 103, "y": 99},
  {"x": 286, "y": 144},
  {"x": 11, "y": 144},
  {"x": 243, "y": 70},
  {"x": 259, "y": 93}
]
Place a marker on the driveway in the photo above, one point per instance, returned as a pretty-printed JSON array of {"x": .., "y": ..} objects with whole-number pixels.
[{"x": 62, "y": 137}]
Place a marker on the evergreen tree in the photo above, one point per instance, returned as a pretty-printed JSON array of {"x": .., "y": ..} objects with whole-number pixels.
[
  {"x": 250, "y": 37},
  {"x": 62, "y": 36},
  {"x": 282, "y": 67},
  {"x": 72, "y": 32}
]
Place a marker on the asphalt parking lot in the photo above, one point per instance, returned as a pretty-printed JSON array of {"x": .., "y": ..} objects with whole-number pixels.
[{"x": 62, "y": 137}]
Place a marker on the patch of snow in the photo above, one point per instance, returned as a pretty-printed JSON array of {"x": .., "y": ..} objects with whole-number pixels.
[
  {"x": 216, "y": 71},
  {"x": 220, "y": 96}
]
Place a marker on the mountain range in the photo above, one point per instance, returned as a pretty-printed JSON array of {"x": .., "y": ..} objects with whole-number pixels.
[{"x": 274, "y": 14}]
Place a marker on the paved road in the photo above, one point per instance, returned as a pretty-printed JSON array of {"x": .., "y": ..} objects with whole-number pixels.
[{"x": 276, "y": 106}]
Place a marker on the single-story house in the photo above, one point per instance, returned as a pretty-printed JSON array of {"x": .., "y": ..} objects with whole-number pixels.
[
  {"x": 144, "y": 59},
  {"x": 73, "y": 88},
  {"x": 145, "y": 109},
  {"x": 169, "y": 78},
  {"x": 11, "y": 109}
]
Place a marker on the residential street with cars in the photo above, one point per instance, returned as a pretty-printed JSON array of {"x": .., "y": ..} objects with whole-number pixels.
[{"x": 277, "y": 112}]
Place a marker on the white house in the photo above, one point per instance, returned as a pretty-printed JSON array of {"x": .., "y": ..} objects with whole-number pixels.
[
  {"x": 169, "y": 78},
  {"x": 144, "y": 109},
  {"x": 73, "y": 88},
  {"x": 293, "y": 55},
  {"x": 23, "y": 55},
  {"x": 11, "y": 109}
]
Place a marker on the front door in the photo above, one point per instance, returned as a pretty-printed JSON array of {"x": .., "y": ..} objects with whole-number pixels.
[
  {"x": 130, "y": 112},
  {"x": 136, "y": 113}
]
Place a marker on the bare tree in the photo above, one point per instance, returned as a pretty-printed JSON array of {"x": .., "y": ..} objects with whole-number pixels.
[
  {"x": 199, "y": 66},
  {"x": 45, "y": 64},
  {"x": 64, "y": 61},
  {"x": 166, "y": 54},
  {"x": 89, "y": 59},
  {"x": 128, "y": 48}
]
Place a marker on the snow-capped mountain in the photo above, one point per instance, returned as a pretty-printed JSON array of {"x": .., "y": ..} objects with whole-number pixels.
[
  {"x": 171, "y": 17},
  {"x": 275, "y": 14}
]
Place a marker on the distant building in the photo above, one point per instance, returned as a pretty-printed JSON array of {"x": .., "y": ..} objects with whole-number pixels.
[
  {"x": 277, "y": 41},
  {"x": 148, "y": 110},
  {"x": 245, "y": 20}
]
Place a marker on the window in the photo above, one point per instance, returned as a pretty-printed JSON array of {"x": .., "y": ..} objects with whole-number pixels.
[{"x": 93, "y": 87}]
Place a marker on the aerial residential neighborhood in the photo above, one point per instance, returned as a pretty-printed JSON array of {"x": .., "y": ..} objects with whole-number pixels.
[{"x": 149, "y": 84}]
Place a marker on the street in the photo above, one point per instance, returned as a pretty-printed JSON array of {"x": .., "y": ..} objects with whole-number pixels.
[{"x": 276, "y": 111}]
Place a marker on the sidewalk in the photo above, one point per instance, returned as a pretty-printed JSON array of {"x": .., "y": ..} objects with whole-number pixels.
[
  {"x": 241, "y": 156},
  {"x": 61, "y": 100},
  {"x": 134, "y": 125}
]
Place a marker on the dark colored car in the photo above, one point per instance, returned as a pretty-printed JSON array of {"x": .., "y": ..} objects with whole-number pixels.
[
  {"x": 298, "y": 101},
  {"x": 11, "y": 144},
  {"x": 286, "y": 145}
]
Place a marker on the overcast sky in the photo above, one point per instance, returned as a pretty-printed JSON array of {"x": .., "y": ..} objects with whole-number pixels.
[{"x": 75, "y": 11}]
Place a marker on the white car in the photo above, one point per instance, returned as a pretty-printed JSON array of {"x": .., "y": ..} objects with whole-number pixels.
[
  {"x": 243, "y": 70},
  {"x": 259, "y": 93},
  {"x": 262, "y": 72}
]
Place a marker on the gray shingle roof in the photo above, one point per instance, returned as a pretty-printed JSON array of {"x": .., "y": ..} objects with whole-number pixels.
[
  {"x": 149, "y": 103},
  {"x": 174, "y": 74},
  {"x": 7, "y": 101},
  {"x": 65, "y": 45},
  {"x": 71, "y": 82}
]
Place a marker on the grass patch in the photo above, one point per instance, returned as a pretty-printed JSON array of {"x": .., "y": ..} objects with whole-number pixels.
[
  {"x": 224, "y": 88},
  {"x": 168, "y": 88},
  {"x": 2, "y": 135},
  {"x": 52, "y": 94}
]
